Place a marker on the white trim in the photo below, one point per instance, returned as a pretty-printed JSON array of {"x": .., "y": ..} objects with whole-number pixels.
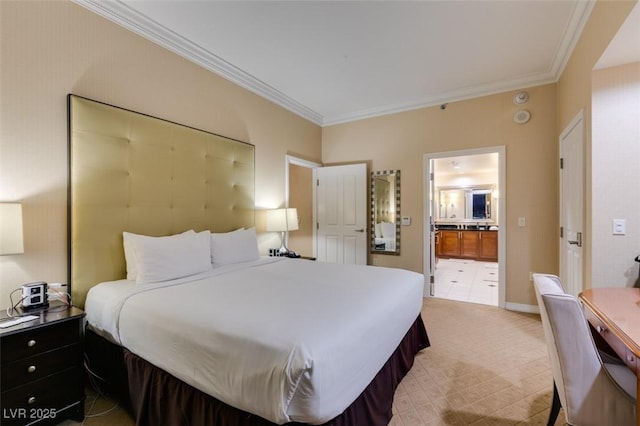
[
  {"x": 520, "y": 307},
  {"x": 579, "y": 17},
  {"x": 502, "y": 209},
  {"x": 301, "y": 162},
  {"x": 459, "y": 95}
]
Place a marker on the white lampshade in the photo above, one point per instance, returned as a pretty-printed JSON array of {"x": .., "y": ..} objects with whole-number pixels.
[
  {"x": 11, "y": 229},
  {"x": 282, "y": 220}
]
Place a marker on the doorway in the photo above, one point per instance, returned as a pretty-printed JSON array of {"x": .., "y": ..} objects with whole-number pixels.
[
  {"x": 300, "y": 192},
  {"x": 465, "y": 225},
  {"x": 572, "y": 204}
]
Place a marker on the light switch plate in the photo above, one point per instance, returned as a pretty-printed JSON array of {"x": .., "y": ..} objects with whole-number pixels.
[
  {"x": 619, "y": 227},
  {"x": 406, "y": 220}
]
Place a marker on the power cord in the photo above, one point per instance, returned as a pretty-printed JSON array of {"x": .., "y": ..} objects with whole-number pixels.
[
  {"x": 92, "y": 376},
  {"x": 14, "y": 306}
]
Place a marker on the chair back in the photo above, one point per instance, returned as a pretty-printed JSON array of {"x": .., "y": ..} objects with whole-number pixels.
[{"x": 578, "y": 372}]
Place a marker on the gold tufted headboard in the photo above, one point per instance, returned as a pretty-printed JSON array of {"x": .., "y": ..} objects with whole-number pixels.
[{"x": 136, "y": 173}]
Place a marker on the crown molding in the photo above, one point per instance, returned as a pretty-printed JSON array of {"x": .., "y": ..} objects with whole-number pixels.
[
  {"x": 126, "y": 17},
  {"x": 579, "y": 17},
  {"x": 454, "y": 96}
]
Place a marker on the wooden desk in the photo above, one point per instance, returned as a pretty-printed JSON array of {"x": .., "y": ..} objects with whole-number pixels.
[{"x": 615, "y": 314}]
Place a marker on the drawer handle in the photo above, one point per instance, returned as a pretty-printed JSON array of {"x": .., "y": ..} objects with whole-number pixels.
[
  {"x": 31, "y": 343},
  {"x": 601, "y": 329},
  {"x": 31, "y": 369},
  {"x": 631, "y": 358},
  {"x": 31, "y": 400}
]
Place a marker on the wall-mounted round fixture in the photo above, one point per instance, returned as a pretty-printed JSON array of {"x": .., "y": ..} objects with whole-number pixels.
[
  {"x": 520, "y": 98},
  {"x": 522, "y": 116}
]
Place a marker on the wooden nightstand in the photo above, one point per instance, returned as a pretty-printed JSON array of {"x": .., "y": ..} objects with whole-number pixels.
[{"x": 42, "y": 378}]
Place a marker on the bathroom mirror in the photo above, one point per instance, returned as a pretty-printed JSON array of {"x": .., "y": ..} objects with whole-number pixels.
[
  {"x": 385, "y": 212},
  {"x": 457, "y": 203}
]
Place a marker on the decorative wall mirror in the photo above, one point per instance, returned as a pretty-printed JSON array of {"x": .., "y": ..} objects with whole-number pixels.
[{"x": 385, "y": 212}]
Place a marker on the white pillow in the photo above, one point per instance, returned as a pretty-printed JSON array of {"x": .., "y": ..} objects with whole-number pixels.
[
  {"x": 233, "y": 247},
  {"x": 388, "y": 230},
  {"x": 165, "y": 258},
  {"x": 129, "y": 240}
]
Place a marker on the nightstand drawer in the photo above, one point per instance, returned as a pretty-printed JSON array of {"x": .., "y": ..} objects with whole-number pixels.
[
  {"x": 44, "y": 397},
  {"x": 38, "y": 340},
  {"x": 26, "y": 370}
]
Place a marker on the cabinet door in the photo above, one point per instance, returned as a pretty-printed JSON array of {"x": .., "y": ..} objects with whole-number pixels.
[
  {"x": 469, "y": 244},
  {"x": 489, "y": 246},
  {"x": 450, "y": 243}
]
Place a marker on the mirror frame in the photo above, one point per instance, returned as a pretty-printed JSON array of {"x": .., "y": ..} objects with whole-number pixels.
[{"x": 396, "y": 189}]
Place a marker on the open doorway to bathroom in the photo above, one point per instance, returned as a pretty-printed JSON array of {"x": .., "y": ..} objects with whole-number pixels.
[{"x": 464, "y": 223}]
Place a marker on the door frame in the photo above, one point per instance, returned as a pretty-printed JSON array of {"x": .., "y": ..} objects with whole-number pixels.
[
  {"x": 297, "y": 161},
  {"x": 563, "y": 261},
  {"x": 502, "y": 216}
]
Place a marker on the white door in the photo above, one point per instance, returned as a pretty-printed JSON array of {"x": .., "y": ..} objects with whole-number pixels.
[
  {"x": 342, "y": 214},
  {"x": 572, "y": 205},
  {"x": 432, "y": 228}
]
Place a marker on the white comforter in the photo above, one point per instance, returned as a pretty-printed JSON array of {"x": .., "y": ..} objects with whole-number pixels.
[{"x": 288, "y": 340}]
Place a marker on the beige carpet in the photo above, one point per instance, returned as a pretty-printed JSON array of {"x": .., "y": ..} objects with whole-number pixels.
[{"x": 485, "y": 366}]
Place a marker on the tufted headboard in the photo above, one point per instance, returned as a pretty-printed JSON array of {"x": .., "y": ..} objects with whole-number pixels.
[{"x": 132, "y": 172}]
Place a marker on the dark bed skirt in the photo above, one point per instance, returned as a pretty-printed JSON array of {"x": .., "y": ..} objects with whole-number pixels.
[{"x": 158, "y": 398}]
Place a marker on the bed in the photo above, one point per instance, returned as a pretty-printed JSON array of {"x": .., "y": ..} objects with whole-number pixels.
[{"x": 213, "y": 333}]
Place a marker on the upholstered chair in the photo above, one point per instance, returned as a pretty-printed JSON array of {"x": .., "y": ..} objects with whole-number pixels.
[{"x": 591, "y": 391}]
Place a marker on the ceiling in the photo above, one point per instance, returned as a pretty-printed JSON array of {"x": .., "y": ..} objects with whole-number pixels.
[
  {"x": 465, "y": 164},
  {"x": 339, "y": 61},
  {"x": 625, "y": 46}
]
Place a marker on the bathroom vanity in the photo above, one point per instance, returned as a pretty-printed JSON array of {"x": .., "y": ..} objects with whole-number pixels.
[{"x": 467, "y": 244}]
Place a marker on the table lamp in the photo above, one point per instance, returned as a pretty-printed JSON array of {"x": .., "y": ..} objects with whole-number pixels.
[{"x": 282, "y": 220}]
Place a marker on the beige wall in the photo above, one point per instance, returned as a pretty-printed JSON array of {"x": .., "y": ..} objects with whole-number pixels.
[
  {"x": 615, "y": 174},
  {"x": 52, "y": 48},
  {"x": 400, "y": 141},
  {"x": 574, "y": 93}
]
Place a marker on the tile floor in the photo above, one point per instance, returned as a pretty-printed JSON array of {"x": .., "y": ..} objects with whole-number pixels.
[{"x": 467, "y": 281}]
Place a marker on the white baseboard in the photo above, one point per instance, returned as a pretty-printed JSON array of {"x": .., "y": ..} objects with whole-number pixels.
[{"x": 519, "y": 307}]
